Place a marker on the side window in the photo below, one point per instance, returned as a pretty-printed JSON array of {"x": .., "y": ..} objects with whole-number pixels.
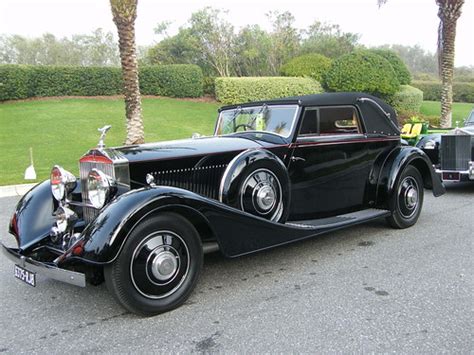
[
  {"x": 338, "y": 120},
  {"x": 309, "y": 126}
]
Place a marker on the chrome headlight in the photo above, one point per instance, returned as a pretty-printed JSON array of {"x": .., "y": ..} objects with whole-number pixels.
[
  {"x": 99, "y": 187},
  {"x": 430, "y": 144},
  {"x": 62, "y": 182}
]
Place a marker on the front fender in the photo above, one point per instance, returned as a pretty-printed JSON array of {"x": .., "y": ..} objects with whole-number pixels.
[
  {"x": 104, "y": 237},
  {"x": 394, "y": 165},
  {"x": 33, "y": 216}
]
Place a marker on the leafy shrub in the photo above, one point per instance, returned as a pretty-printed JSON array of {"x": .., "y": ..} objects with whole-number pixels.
[
  {"x": 237, "y": 90},
  {"x": 401, "y": 70},
  {"x": 174, "y": 80},
  {"x": 462, "y": 92},
  {"x": 209, "y": 86},
  {"x": 14, "y": 82},
  {"x": 19, "y": 82},
  {"x": 313, "y": 65},
  {"x": 407, "y": 99},
  {"x": 362, "y": 71}
]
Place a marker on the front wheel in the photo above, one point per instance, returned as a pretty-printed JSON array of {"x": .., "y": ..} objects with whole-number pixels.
[
  {"x": 407, "y": 199},
  {"x": 158, "y": 266}
]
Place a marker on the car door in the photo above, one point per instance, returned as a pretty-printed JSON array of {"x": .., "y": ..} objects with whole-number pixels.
[{"x": 330, "y": 164}]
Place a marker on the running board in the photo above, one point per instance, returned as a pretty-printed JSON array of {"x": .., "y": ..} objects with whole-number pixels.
[{"x": 340, "y": 221}]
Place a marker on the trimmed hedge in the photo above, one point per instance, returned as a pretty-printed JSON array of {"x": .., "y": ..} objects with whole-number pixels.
[
  {"x": 174, "y": 80},
  {"x": 407, "y": 99},
  {"x": 237, "y": 90},
  {"x": 362, "y": 71},
  {"x": 20, "y": 82},
  {"x": 462, "y": 92},
  {"x": 74, "y": 81},
  {"x": 401, "y": 70},
  {"x": 313, "y": 65},
  {"x": 14, "y": 82}
]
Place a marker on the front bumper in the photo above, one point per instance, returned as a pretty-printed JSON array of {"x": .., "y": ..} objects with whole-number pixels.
[{"x": 53, "y": 272}]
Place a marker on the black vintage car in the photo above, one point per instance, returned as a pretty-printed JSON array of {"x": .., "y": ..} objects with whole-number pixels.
[
  {"x": 274, "y": 172},
  {"x": 452, "y": 154}
]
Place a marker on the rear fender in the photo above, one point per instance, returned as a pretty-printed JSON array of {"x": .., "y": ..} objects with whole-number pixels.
[{"x": 394, "y": 165}]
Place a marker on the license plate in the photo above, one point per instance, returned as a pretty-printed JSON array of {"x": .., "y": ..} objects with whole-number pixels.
[
  {"x": 451, "y": 176},
  {"x": 24, "y": 275}
]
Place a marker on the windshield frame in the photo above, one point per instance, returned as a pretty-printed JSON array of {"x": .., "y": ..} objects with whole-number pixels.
[{"x": 257, "y": 106}]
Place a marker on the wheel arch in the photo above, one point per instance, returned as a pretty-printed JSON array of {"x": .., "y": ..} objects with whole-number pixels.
[
  {"x": 105, "y": 237},
  {"x": 394, "y": 165},
  {"x": 239, "y": 168}
]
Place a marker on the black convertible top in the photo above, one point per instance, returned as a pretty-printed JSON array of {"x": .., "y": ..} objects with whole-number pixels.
[{"x": 377, "y": 115}]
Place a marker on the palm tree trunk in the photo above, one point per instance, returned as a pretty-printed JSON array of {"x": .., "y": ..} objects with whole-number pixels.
[
  {"x": 448, "y": 31},
  {"x": 124, "y": 13},
  {"x": 449, "y": 11}
]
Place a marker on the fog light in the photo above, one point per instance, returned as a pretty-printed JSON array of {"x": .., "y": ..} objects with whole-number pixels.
[{"x": 64, "y": 217}]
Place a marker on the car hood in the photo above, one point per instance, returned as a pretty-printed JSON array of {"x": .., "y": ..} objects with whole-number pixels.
[{"x": 186, "y": 148}]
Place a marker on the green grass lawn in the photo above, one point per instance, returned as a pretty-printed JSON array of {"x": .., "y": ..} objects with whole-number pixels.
[
  {"x": 60, "y": 131},
  {"x": 460, "y": 110}
]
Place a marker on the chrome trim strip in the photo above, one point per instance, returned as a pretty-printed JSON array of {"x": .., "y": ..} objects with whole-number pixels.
[
  {"x": 53, "y": 272},
  {"x": 227, "y": 171},
  {"x": 462, "y": 172}
]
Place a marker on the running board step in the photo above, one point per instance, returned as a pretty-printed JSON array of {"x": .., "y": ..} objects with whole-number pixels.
[{"x": 341, "y": 220}]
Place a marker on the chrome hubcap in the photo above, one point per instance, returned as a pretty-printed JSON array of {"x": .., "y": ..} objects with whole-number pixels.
[
  {"x": 159, "y": 264},
  {"x": 408, "y": 197},
  {"x": 261, "y": 194},
  {"x": 164, "y": 265},
  {"x": 411, "y": 197},
  {"x": 265, "y": 197}
]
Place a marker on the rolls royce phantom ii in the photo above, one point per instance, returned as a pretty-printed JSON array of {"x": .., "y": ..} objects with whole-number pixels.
[{"x": 141, "y": 217}]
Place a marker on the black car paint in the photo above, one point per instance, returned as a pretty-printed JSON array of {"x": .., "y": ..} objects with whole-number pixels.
[{"x": 373, "y": 160}]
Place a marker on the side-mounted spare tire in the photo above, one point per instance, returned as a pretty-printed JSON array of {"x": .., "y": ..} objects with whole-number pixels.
[{"x": 257, "y": 182}]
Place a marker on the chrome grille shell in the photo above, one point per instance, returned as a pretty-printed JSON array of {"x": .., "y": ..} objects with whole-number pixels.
[
  {"x": 456, "y": 151},
  {"x": 111, "y": 163}
]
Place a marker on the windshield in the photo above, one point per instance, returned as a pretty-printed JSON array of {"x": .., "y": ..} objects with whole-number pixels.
[
  {"x": 272, "y": 119},
  {"x": 470, "y": 119}
]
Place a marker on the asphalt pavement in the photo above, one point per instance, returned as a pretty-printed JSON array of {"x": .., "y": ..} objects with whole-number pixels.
[{"x": 364, "y": 289}]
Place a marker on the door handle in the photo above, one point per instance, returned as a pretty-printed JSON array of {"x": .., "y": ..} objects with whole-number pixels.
[{"x": 295, "y": 159}]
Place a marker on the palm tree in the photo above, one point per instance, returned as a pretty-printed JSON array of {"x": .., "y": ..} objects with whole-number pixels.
[
  {"x": 449, "y": 12},
  {"x": 124, "y": 14}
]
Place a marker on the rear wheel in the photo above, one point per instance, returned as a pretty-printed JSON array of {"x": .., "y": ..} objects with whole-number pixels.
[
  {"x": 158, "y": 266},
  {"x": 407, "y": 199}
]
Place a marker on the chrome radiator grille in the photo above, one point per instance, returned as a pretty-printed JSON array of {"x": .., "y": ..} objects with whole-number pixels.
[
  {"x": 455, "y": 152},
  {"x": 90, "y": 213},
  {"x": 203, "y": 180}
]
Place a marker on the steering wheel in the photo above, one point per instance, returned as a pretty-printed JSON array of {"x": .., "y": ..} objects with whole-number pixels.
[{"x": 244, "y": 126}]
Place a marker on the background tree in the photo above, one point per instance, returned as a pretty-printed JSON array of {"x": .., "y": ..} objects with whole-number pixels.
[
  {"x": 328, "y": 40},
  {"x": 252, "y": 45},
  {"x": 449, "y": 12},
  {"x": 214, "y": 37},
  {"x": 124, "y": 14},
  {"x": 285, "y": 40}
]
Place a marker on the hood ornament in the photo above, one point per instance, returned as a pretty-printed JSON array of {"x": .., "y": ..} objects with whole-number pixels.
[{"x": 103, "y": 131}]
